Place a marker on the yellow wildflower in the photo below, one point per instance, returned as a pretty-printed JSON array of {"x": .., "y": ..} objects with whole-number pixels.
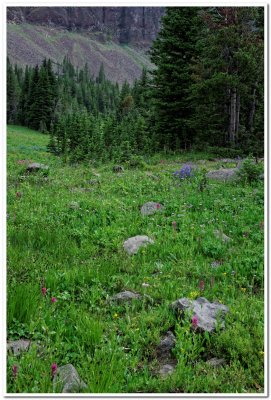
[
  {"x": 243, "y": 289},
  {"x": 115, "y": 316}
]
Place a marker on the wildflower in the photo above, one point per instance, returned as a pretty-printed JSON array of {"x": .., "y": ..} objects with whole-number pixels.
[
  {"x": 53, "y": 300},
  {"x": 145, "y": 284},
  {"x": 44, "y": 290},
  {"x": 201, "y": 285},
  {"x": 115, "y": 316},
  {"x": 261, "y": 353},
  {"x": 158, "y": 206},
  {"x": 243, "y": 289},
  {"x": 185, "y": 172},
  {"x": 224, "y": 273},
  {"x": 195, "y": 321},
  {"x": 18, "y": 194},
  {"x": 14, "y": 370},
  {"x": 194, "y": 295},
  {"x": 54, "y": 369},
  {"x": 174, "y": 225}
]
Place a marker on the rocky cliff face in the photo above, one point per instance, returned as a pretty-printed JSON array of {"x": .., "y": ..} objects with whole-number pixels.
[{"x": 125, "y": 25}]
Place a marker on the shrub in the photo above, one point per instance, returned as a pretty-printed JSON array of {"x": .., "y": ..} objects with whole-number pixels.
[{"x": 250, "y": 171}]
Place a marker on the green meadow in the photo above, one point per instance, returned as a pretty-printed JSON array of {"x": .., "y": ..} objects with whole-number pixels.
[{"x": 65, "y": 233}]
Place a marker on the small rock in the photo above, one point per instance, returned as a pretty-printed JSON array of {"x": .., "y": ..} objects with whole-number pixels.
[
  {"x": 132, "y": 244},
  {"x": 150, "y": 208},
  {"x": 145, "y": 284},
  {"x": 35, "y": 167},
  {"x": 126, "y": 296},
  {"x": 93, "y": 182},
  {"x": 17, "y": 346},
  {"x": 68, "y": 376},
  {"x": 224, "y": 174},
  {"x": 74, "y": 205},
  {"x": 220, "y": 235},
  {"x": 216, "y": 264},
  {"x": 118, "y": 168},
  {"x": 166, "y": 345},
  {"x": 205, "y": 312},
  {"x": 216, "y": 362},
  {"x": 166, "y": 370}
]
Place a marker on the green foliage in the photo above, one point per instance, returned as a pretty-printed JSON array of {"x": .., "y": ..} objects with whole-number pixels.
[
  {"x": 250, "y": 171},
  {"x": 77, "y": 254}
]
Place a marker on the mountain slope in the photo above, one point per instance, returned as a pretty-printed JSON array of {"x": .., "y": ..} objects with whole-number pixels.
[
  {"x": 118, "y": 37},
  {"x": 29, "y": 44}
]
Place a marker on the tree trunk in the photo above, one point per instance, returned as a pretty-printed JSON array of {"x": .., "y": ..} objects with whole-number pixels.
[
  {"x": 252, "y": 108},
  {"x": 237, "y": 115},
  {"x": 232, "y": 124}
]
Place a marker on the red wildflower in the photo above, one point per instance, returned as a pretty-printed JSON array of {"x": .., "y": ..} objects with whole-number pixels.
[
  {"x": 14, "y": 370},
  {"x": 18, "y": 194},
  {"x": 44, "y": 290},
  {"x": 54, "y": 369},
  {"x": 174, "y": 225},
  {"x": 195, "y": 321},
  {"x": 158, "y": 205},
  {"x": 201, "y": 285},
  {"x": 53, "y": 299}
]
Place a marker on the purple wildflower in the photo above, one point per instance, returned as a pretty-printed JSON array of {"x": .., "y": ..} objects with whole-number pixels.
[
  {"x": 185, "y": 172},
  {"x": 14, "y": 371},
  {"x": 54, "y": 369},
  {"x": 195, "y": 321}
]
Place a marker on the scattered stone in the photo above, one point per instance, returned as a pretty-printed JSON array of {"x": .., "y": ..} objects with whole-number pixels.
[
  {"x": 150, "y": 208},
  {"x": 132, "y": 244},
  {"x": 17, "y": 346},
  {"x": 68, "y": 377},
  {"x": 205, "y": 312},
  {"x": 220, "y": 235},
  {"x": 74, "y": 205},
  {"x": 166, "y": 369},
  {"x": 118, "y": 168},
  {"x": 126, "y": 296},
  {"x": 166, "y": 345},
  {"x": 145, "y": 284},
  {"x": 93, "y": 182},
  {"x": 223, "y": 174},
  {"x": 216, "y": 362},
  {"x": 216, "y": 264},
  {"x": 35, "y": 167},
  {"x": 151, "y": 175},
  {"x": 226, "y": 160}
]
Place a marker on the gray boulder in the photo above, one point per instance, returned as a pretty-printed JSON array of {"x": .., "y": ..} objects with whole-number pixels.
[
  {"x": 132, "y": 244},
  {"x": 74, "y": 205},
  {"x": 220, "y": 235},
  {"x": 17, "y": 346},
  {"x": 68, "y": 378},
  {"x": 166, "y": 369},
  {"x": 150, "y": 208},
  {"x": 223, "y": 174},
  {"x": 126, "y": 296},
  {"x": 118, "y": 168},
  {"x": 166, "y": 345},
  {"x": 216, "y": 362},
  {"x": 35, "y": 167},
  {"x": 208, "y": 314}
]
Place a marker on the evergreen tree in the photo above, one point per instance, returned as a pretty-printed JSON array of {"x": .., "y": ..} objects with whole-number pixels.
[{"x": 172, "y": 52}]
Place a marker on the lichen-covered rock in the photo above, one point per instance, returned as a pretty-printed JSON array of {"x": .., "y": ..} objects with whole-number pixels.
[
  {"x": 126, "y": 296},
  {"x": 166, "y": 369},
  {"x": 166, "y": 345},
  {"x": 223, "y": 174},
  {"x": 208, "y": 315},
  {"x": 216, "y": 362},
  {"x": 17, "y": 346},
  {"x": 220, "y": 235},
  {"x": 68, "y": 378},
  {"x": 35, "y": 167},
  {"x": 150, "y": 208},
  {"x": 118, "y": 168},
  {"x": 133, "y": 244}
]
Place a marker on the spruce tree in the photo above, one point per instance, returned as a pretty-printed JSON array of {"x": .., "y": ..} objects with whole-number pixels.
[{"x": 171, "y": 53}]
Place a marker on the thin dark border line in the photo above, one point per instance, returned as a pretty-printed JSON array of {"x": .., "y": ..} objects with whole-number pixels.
[{"x": 267, "y": 239}]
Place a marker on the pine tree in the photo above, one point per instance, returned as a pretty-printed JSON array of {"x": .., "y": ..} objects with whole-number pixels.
[
  {"x": 171, "y": 53},
  {"x": 12, "y": 94}
]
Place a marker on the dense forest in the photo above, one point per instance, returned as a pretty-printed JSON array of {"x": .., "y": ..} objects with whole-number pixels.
[{"x": 206, "y": 90}]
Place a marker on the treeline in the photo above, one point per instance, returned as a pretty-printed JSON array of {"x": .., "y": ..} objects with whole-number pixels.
[{"x": 207, "y": 90}]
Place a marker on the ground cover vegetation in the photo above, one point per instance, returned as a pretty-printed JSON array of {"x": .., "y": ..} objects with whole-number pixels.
[
  {"x": 67, "y": 224},
  {"x": 206, "y": 90},
  {"x": 66, "y": 260}
]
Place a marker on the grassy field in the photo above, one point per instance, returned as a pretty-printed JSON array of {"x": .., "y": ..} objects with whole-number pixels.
[{"x": 75, "y": 250}]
